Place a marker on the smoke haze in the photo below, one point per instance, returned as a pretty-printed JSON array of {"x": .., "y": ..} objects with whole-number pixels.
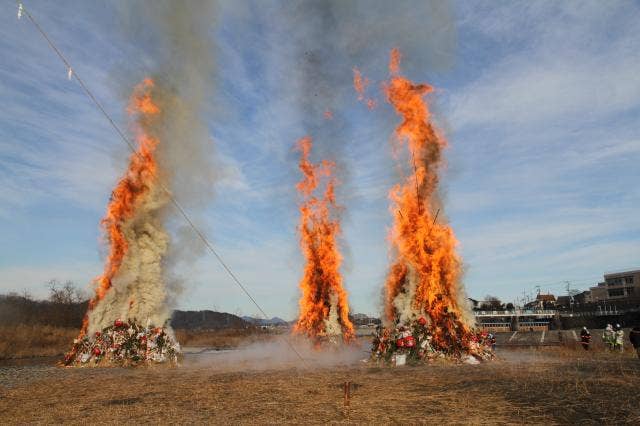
[{"x": 278, "y": 354}]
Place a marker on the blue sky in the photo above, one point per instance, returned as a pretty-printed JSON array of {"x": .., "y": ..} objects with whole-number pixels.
[{"x": 540, "y": 102}]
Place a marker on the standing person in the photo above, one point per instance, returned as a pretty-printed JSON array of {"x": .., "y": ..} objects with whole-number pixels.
[
  {"x": 492, "y": 341},
  {"x": 634, "y": 336},
  {"x": 619, "y": 338},
  {"x": 608, "y": 337},
  {"x": 585, "y": 338}
]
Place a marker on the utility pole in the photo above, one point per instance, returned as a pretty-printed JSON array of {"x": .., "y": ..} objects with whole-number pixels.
[{"x": 569, "y": 294}]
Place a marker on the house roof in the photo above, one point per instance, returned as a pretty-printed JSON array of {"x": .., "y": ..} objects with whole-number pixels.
[{"x": 546, "y": 298}]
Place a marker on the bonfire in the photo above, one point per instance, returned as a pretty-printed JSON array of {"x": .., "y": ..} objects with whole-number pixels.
[
  {"x": 324, "y": 309},
  {"x": 426, "y": 312},
  {"x": 124, "y": 344},
  {"x": 414, "y": 343},
  {"x": 132, "y": 284}
]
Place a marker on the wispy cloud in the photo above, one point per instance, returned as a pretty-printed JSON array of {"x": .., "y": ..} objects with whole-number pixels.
[
  {"x": 539, "y": 101},
  {"x": 565, "y": 61}
]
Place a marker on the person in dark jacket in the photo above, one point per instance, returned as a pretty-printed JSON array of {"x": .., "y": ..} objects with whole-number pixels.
[
  {"x": 634, "y": 336},
  {"x": 585, "y": 338}
]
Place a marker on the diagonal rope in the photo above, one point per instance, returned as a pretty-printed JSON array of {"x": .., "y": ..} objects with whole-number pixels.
[{"x": 131, "y": 146}]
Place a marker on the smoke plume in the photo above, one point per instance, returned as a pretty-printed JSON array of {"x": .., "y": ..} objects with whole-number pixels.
[{"x": 143, "y": 283}]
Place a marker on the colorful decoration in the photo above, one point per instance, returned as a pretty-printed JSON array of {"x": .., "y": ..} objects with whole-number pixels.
[
  {"x": 413, "y": 344},
  {"x": 124, "y": 344}
]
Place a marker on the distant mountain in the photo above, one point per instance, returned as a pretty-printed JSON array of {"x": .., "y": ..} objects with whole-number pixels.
[
  {"x": 206, "y": 320},
  {"x": 262, "y": 321},
  {"x": 16, "y": 309}
]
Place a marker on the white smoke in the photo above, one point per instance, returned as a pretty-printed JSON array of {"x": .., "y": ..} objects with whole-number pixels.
[
  {"x": 138, "y": 290},
  {"x": 404, "y": 301},
  {"x": 332, "y": 325},
  {"x": 465, "y": 306},
  {"x": 278, "y": 354}
]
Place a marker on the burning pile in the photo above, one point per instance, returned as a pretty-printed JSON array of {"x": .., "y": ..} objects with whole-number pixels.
[
  {"x": 324, "y": 311},
  {"x": 424, "y": 298},
  {"x": 124, "y": 344},
  {"x": 131, "y": 285},
  {"x": 414, "y": 342}
]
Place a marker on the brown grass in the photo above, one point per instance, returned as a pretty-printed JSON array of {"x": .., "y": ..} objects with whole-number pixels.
[
  {"x": 21, "y": 341},
  {"x": 553, "y": 386},
  {"x": 221, "y": 339},
  {"x": 24, "y": 341}
]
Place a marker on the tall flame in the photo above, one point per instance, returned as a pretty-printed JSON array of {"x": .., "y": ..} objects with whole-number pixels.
[
  {"x": 324, "y": 310},
  {"x": 424, "y": 278},
  {"x": 137, "y": 182}
]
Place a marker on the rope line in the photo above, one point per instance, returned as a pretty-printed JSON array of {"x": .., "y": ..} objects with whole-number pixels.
[{"x": 126, "y": 140}]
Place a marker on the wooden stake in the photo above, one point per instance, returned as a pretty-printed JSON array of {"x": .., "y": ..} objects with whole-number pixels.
[{"x": 347, "y": 393}]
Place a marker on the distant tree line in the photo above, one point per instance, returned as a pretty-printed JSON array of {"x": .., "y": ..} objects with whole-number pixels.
[
  {"x": 492, "y": 303},
  {"x": 65, "y": 307}
]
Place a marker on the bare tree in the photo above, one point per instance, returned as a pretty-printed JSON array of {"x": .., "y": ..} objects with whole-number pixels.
[
  {"x": 64, "y": 294},
  {"x": 492, "y": 303}
]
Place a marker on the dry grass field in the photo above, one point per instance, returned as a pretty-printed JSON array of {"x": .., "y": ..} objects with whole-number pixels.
[
  {"x": 533, "y": 386},
  {"x": 221, "y": 339},
  {"x": 27, "y": 341},
  {"x": 22, "y": 341}
]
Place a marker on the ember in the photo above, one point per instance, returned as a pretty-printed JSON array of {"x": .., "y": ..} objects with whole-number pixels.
[
  {"x": 360, "y": 83},
  {"x": 124, "y": 344},
  {"x": 324, "y": 310}
]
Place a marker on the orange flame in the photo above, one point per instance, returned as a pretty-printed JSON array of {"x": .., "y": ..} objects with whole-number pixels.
[
  {"x": 360, "y": 84},
  {"x": 321, "y": 284},
  {"x": 137, "y": 181},
  {"x": 425, "y": 249}
]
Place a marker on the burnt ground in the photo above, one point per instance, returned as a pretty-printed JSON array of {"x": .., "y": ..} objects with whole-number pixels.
[{"x": 545, "y": 385}]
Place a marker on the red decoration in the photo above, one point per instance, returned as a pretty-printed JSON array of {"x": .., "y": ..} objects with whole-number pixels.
[
  {"x": 422, "y": 321},
  {"x": 96, "y": 351},
  {"x": 118, "y": 323},
  {"x": 98, "y": 334},
  {"x": 400, "y": 343},
  {"x": 409, "y": 341}
]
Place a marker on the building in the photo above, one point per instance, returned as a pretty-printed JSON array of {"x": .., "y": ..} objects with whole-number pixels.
[
  {"x": 564, "y": 302},
  {"x": 618, "y": 286},
  {"x": 579, "y": 299},
  {"x": 583, "y": 298},
  {"x": 515, "y": 320},
  {"x": 542, "y": 301}
]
